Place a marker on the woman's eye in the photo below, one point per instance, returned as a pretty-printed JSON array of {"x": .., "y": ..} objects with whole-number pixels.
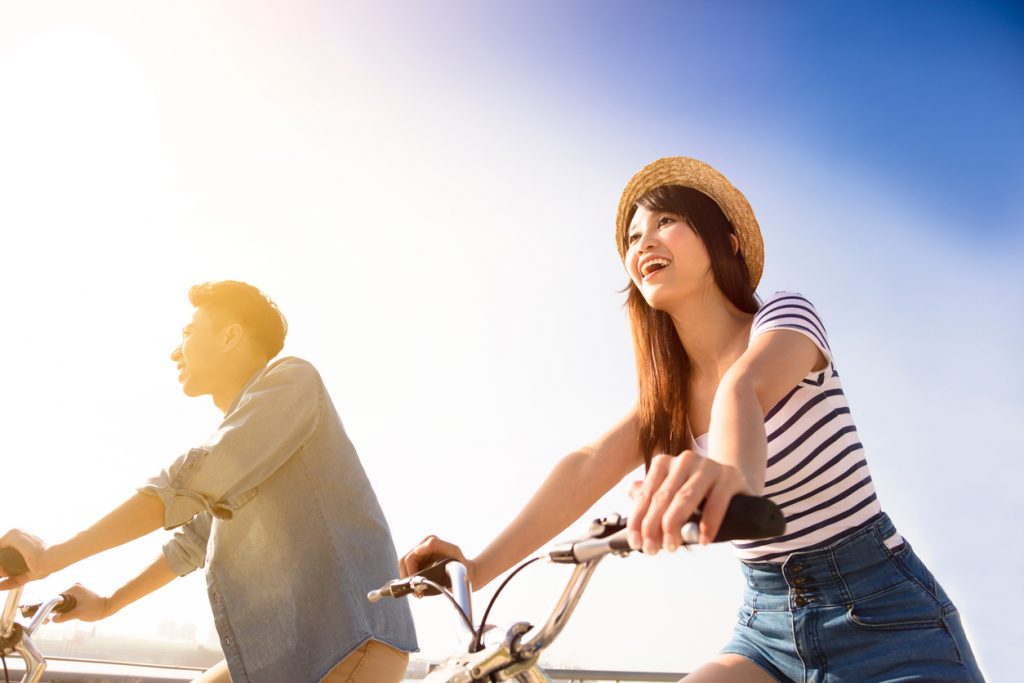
[
  {"x": 665, "y": 220},
  {"x": 632, "y": 239}
]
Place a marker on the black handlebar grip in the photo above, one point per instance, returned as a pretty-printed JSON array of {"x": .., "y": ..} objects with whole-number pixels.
[
  {"x": 69, "y": 603},
  {"x": 12, "y": 562},
  {"x": 750, "y": 517},
  {"x": 437, "y": 574}
]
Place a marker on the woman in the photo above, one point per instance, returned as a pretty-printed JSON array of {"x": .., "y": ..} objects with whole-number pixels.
[{"x": 741, "y": 397}]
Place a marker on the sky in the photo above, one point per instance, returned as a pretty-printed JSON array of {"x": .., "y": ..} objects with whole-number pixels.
[{"x": 428, "y": 192}]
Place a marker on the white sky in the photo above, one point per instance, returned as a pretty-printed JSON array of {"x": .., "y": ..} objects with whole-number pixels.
[{"x": 445, "y": 257}]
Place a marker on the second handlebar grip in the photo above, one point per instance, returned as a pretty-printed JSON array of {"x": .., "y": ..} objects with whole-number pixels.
[{"x": 12, "y": 562}]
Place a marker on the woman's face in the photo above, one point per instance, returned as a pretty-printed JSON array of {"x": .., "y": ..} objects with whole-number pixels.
[{"x": 665, "y": 257}]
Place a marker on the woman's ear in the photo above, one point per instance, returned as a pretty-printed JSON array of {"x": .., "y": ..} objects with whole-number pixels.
[{"x": 735, "y": 241}]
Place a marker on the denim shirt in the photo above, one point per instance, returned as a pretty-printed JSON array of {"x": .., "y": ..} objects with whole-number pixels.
[{"x": 278, "y": 508}]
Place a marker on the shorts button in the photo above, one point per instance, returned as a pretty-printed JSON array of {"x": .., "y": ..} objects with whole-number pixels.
[
  {"x": 799, "y": 581},
  {"x": 796, "y": 568},
  {"x": 800, "y": 601}
]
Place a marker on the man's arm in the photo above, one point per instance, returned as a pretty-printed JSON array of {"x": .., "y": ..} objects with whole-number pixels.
[
  {"x": 134, "y": 518},
  {"x": 93, "y": 607},
  {"x": 273, "y": 420}
]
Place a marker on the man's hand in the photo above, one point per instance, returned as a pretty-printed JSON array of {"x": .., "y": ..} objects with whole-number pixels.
[
  {"x": 89, "y": 607},
  {"x": 33, "y": 550}
]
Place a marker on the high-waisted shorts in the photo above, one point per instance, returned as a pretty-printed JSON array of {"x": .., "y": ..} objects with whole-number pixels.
[{"x": 852, "y": 611}]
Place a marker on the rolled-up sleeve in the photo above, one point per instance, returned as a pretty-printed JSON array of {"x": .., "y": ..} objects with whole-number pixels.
[
  {"x": 186, "y": 551},
  {"x": 275, "y": 417}
]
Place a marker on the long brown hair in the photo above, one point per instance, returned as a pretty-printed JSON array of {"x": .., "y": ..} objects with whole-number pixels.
[{"x": 662, "y": 364}]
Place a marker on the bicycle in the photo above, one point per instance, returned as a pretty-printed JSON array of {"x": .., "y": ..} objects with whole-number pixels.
[
  {"x": 514, "y": 659},
  {"x": 16, "y": 638}
]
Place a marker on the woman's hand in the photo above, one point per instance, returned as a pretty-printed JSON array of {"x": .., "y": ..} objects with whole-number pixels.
[
  {"x": 89, "y": 607},
  {"x": 33, "y": 550},
  {"x": 430, "y": 550},
  {"x": 670, "y": 493}
]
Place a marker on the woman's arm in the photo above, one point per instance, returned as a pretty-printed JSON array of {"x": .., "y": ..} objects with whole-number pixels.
[
  {"x": 775, "y": 362},
  {"x": 93, "y": 607},
  {"x": 576, "y": 483}
]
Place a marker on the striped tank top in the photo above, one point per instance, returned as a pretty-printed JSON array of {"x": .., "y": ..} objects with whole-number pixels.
[{"x": 817, "y": 473}]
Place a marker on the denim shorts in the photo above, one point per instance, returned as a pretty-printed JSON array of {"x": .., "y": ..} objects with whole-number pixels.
[{"x": 852, "y": 611}]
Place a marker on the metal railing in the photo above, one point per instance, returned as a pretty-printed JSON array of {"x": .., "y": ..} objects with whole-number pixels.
[
  {"x": 588, "y": 675},
  {"x": 67, "y": 670}
]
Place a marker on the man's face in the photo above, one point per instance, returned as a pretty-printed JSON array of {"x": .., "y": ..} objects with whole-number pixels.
[{"x": 200, "y": 356}]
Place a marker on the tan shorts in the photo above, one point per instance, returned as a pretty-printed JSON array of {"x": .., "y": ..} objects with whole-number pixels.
[{"x": 372, "y": 662}]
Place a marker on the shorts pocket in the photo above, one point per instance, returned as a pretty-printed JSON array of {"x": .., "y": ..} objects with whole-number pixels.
[{"x": 905, "y": 606}]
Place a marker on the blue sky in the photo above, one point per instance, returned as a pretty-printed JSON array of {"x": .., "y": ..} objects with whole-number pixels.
[
  {"x": 927, "y": 95},
  {"x": 428, "y": 191}
]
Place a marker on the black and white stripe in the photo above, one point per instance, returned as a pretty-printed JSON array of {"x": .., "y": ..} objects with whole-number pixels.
[{"x": 816, "y": 470}]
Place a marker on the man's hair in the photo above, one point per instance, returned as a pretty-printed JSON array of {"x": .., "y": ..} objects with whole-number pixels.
[{"x": 242, "y": 303}]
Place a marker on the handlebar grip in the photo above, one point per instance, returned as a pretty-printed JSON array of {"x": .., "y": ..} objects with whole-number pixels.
[
  {"x": 746, "y": 518},
  {"x": 12, "y": 562},
  {"x": 402, "y": 587},
  {"x": 750, "y": 517},
  {"x": 437, "y": 574},
  {"x": 69, "y": 603}
]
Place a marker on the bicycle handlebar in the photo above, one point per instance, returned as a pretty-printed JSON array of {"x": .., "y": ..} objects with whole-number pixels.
[
  {"x": 63, "y": 604},
  {"x": 747, "y": 517}
]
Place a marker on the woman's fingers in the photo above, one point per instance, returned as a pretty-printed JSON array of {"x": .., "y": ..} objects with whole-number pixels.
[
  {"x": 686, "y": 498},
  {"x": 678, "y": 485},
  {"x": 675, "y": 488},
  {"x": 642, "y": 496}
]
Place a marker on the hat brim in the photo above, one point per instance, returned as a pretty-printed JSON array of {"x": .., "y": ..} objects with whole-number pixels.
[{"x": 700, "y": 176}]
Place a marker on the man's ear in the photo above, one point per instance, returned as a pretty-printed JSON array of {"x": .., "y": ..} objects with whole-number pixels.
[{"x": 233, "y": 335}]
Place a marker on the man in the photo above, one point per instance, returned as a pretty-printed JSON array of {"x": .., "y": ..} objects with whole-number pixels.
[{"x": 275, "y": 504}]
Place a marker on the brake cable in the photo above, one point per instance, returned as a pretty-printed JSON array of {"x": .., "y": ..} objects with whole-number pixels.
[{"x": 478, "y": 644}]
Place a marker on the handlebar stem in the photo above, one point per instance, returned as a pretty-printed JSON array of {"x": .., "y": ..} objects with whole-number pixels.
[
  {"x": 563, "y": 610},
  {"x": 35, "y": 665},
  {"x": 458, "y": 579},
  {"x": 10, "y": 611}
]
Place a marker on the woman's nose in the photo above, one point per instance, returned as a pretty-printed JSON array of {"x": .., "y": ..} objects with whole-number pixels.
[
  {"x": 648, "y": 239},
  {"x": 176, "y": 354}
]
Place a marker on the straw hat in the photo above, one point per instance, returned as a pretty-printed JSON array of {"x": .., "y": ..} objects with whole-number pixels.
[{"x": 699, "y": 176}]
